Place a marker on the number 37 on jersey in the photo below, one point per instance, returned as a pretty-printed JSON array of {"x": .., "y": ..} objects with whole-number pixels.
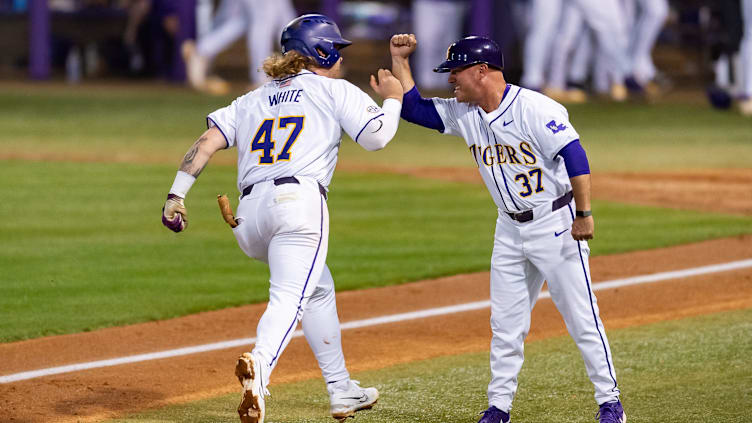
[{"x": 264, "y": 139}]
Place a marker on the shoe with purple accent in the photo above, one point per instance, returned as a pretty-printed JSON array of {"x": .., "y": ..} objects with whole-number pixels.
[
  {"x": 494, "y": 415},
  {"x": 611, "y": 412}
]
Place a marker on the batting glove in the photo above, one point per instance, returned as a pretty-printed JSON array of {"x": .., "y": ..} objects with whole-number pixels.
[{"x": 174, "y": 214}]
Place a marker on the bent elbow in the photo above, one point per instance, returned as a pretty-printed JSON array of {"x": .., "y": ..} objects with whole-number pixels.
[{"x": 375, "y": 143}]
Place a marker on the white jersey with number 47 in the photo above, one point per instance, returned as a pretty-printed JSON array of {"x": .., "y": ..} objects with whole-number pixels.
[
  {"x": 515, "y": 146},
  {"x": 293, "y": 126}
]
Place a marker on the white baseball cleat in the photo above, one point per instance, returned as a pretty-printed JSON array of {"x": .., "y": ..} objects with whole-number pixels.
[
  {"x": 745, "y": 107},
  {"x": 346, "y": 400},
  {"x": 196, "y": 65},
  {"x": 619, "y": 93},
  {"x": 251, "y": 408},
  {"x": 568, "y": 96}
]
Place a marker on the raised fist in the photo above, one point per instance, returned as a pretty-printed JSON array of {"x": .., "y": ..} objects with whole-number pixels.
[
  {"x": 402, "y": 45},
  {"x": 387, "y": 86}
]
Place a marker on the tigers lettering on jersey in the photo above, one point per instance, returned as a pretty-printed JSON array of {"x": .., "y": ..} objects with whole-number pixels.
[
  {"x": 500, "y": 154},
  {"x": 514, "y": 146}
]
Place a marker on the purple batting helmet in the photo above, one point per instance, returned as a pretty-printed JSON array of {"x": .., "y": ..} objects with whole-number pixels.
[
  {"x": 471, "y": 51},
  {"x": 316, "y": 36}
]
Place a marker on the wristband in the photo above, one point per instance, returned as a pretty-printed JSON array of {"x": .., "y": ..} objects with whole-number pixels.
[
  {"x": 583, "y": 213},
  {"x": 183, "y": 183}
]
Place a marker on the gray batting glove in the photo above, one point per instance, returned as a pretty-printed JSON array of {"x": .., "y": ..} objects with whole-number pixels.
[{"x": 174, "y": 214}]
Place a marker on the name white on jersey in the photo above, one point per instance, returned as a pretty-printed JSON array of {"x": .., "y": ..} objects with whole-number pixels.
[
  {"x": 515, "y": 146},
  {"x": 293, "y": 126}
]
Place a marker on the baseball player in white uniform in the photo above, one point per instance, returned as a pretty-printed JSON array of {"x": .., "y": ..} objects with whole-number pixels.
[
  {"x": 646, "y": 20},
  {"x": 745, "y": 51},
  {"x": 544, "y": 19},
  {"x": 287, "y": 134},
  {"x": 438, "y": 23},
  {"x": 259, "y": 20},
  {"x": 531, "y": 160},
  {"x": 604, "y": 18}
]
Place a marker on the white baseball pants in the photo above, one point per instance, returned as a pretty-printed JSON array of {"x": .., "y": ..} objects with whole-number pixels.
[
  {"x": 287, "y": 226},
  {"x": 262, "y": 23},
  {"x": 524, "y": 255},
  {"x": 745, "y": 50},
  {"x": 437, "y": 24},
  {"x": 647, "y": 25},
  {"x": 544, "y": 19},
  {"x": 605, "y": 18}
]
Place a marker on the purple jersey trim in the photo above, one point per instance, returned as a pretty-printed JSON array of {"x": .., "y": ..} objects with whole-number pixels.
[
  {"x": 493, "y": 174},
  {"x": 596, "y": 321},
  {"x": 364, "y": 126},
  {"x": 506, "y": 185},
  {"x": 506, "y": 90},
  {"x": 575, "y": 159},
  {"x": 208, "y": 119},
  {"x": 420, "y": 111}
]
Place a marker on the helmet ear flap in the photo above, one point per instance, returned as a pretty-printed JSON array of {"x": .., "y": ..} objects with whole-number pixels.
[{"x": 326, "y": 53}]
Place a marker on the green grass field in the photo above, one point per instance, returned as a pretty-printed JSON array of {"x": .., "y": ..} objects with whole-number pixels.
[
  {"x": 82, "y": 247},
  {"x": 159, "y": 124},
  {"x": 695, "y": 369},
  {"x": 88, "y": 249}
]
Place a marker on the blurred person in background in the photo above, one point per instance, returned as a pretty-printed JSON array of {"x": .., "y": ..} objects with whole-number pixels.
[
  {"x": 647, "y": 18},
  {"x": 544, "y": 17},
  {"x": 138, "y": 11},
  {"x": 644, "y": 21},
  {"x": 745, "y": 103},
  {"x": 437, "y": 23},
  {"x": 725, "y": 33},
  {"x": 149, "y": 37},
  {"x": 605, "y": 18},
  {"x": 259, "y": 20}
]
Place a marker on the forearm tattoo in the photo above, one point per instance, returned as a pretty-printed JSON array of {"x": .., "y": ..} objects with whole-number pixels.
[{"x": 188, "y": 166}]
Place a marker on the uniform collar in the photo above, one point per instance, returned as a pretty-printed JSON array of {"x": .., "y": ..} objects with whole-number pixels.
[{"x": 510, "y": 95}]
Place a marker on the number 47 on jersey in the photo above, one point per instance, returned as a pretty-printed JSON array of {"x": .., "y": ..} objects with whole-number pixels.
[{"x": 263, "y": 139}]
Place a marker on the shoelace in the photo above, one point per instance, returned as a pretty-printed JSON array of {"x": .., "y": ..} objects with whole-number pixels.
[{"x": 608, "y": 414}]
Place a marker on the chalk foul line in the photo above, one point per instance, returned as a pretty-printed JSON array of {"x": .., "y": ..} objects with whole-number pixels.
[{"x": 392, "y": 318}]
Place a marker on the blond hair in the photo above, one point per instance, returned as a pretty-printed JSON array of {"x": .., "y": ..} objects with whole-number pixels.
[{"x": 282, "y": 65}]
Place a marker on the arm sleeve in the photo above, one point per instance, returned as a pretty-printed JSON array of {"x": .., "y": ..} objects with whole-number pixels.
[
  {"x": 378, "y": 132},
  {"x": 547, "y": 123},
  {"x": 575, "y": 159},
  {"x": 420, "y": 111},
  {"x": 225, "y": 120},
  {"x": 366, "y": 123}
]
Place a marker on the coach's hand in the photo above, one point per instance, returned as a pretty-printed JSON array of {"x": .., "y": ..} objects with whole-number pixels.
[
  {"x": 582, "y": 228},
  {"x": 174, "y": 214},
  {"x": 402, "y": 45},
  {"x": 387, "y": 85}
]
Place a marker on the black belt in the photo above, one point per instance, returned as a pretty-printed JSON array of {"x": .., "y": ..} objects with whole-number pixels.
[
  {"x": 527, "y": 215},
  {"x": 281, "y": 181}
]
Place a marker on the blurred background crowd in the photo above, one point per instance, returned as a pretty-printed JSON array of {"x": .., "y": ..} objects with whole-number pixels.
[{"x": 572, "y": 50}]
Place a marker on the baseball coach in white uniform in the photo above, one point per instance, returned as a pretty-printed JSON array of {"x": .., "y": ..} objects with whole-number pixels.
[
  {"x": 531, "y": 160},
  {"x": 287, "y": 133}
]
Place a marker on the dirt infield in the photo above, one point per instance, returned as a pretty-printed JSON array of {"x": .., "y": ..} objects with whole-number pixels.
[{"x": 97, "y": 394}]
